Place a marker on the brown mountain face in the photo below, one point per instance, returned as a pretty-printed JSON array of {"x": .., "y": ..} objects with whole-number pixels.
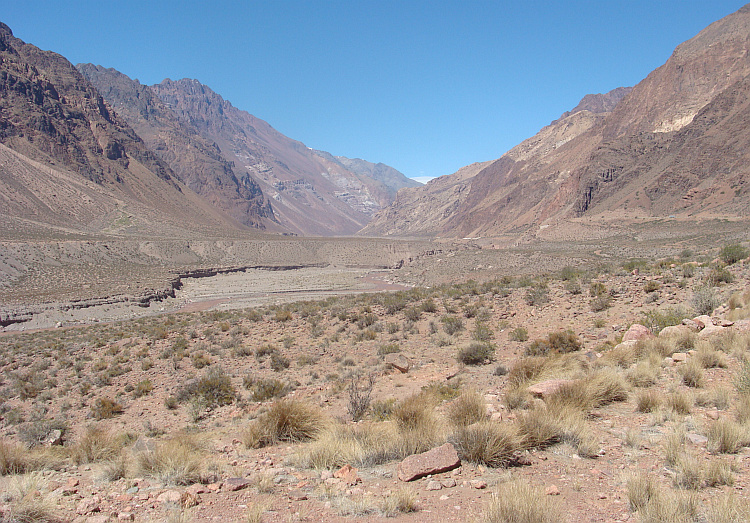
[
  {"x": 68, "y": 163},
  {"x": 309, "y": 193},
  {"x": 196, "y": 160},
  {"x": 674, "y": 145}
]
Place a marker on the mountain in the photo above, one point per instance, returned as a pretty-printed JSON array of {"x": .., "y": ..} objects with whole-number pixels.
[
  {"x": 196, "y": 160},
  {"x": 310, "y": 193},
  {"x": 675, "y": 145},
  {"x": 70, "y": 164}
]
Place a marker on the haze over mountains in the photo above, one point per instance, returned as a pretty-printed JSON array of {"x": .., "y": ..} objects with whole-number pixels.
[
  {"x": 674, "y": 145},
  {"x": 92, "y": 150}
]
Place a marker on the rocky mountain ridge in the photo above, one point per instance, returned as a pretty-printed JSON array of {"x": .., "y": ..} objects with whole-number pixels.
[{"x": 674, "y": 145}]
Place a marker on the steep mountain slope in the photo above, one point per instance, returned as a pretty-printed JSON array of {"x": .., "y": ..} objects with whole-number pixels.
[
  {"x": 310, "y": 194},
  {"x": 674, "y": 145},
  {"x": 70, "y": 164},
  {"x": 196, "y": 160}
]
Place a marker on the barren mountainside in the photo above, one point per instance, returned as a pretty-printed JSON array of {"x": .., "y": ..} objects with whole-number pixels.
[
  {"x": 674, "y": 145},
  {"x": 309, "y": 193},
  {"x": 70, "y": 164}
]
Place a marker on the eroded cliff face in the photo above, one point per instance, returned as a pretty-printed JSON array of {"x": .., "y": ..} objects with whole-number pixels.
[
  {"x": 196, "y": 161},
  {"x": 71, "y": 164},
  {"x": 673, "y": 145},
  {"x": 310, "y": 192}
]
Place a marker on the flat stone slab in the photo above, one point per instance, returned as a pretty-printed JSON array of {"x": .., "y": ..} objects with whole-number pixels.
[
  {"x": 435, "y": 461},
  {"x": 544, "y": 388}
]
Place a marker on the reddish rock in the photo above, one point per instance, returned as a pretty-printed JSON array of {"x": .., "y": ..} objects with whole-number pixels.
[
  {"x": 637, "y": 332},
  {"x": 544, "y": 388},
  {"x": 399, "y": 362},
  {"x": 297, "y": 495},
  {"x": 448, "y": 483},
  {"x": 674, "y": 331},
  {"x": 703, "y": 321},
  {"x": 434, "y": 485},
  {"x": 435, "y": 461},
  {"x": 88, "y": 506},
  {"x": 170, "y": 496},
  {"x": 679, "y": 357},
  {"x": 552, "y": 490},
  {"x": 710, "y": 330},
  {"x": 478, "y": 484},
  {"x": 348, "y": 475},
  {"x": 234, "y": 484}
]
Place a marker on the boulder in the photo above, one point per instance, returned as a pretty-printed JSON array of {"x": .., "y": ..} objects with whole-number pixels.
[
  {"x": 691, "y": 324},
  {"x": 235, "y": 484},
  {"x": 544, "y": 389},
  {"x": 742, "y": 325},
  {"x": 398, "y": 361},
  {"x": 703, "y": 321},
  {"x": 637, "y": 332},
  {"x": 710, "y": 330},
  {"x": 435, "y": 461}
]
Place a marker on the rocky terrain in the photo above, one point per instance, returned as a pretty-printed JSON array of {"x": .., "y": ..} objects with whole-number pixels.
[
  {"x": 674, "y": 145},
  {"x": 597, "y": 393}
]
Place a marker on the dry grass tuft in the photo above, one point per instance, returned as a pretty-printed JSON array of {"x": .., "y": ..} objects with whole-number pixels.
[
  {"x": 96, "y": 444},
  {"x": 286, "y": 420},
  {"x": 641, "y": 489},
  {"x": 488, "y": 443},
  {"x": 519, "y": 502},
  {"x": 401, "y": 501},
  {"x": 26, "y": 504},
  {"x": 648, "y": 401},
  {"x": 692, "y": 373},
  {"x": 468, "y": 408},
  {"x": 178, "y": 461},
  {"x": 14, "y": 459},
  {"x": 727, "y": 437}
]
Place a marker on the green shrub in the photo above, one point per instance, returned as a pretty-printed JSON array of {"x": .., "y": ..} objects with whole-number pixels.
[
  {"x": 476, "y": 353},
  {"x": 561, "y": 342},
  {"x": 719, "y": 275},
  {"x": 537, "y": 295},
  {"x": 518, "y": 334},
  {"x": 279, "y": 362},
  {"x": 705, "y": 300},
  {"x": 733, "y": 253},
  {"x": 142, "y": 388},
  {"x": 213, "y": 389},
  {"x": 105, "y": 408},
  {"x": 651, "y": 286},
  {"x": 657, "y": 319},
  {"x": 452, "y": 324},
  {"x": 262, "y": 389}
]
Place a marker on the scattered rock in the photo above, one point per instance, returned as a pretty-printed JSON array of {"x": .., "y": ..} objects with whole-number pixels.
[
  {"x": 348, "y": 475},
  {"x": 697, "y": 439},
  {"x": 435, "y": 461},
  {"x": 674, "y": 331},
  {"x": 434, "y": 485},
  {"x": 398, "y": 361},
  {"x": 170, "y": 496},
  {"x": 448, "y": 483},
  {"x": 55, "y": 437},
  {"x": 710, "y": 330},
  {"x": 637, "y": 332},
  {"x": 88, "y": 506},
  {"x": 125, "y": 516},
  {"x": 545, "y": 388},
  {"x": 552, "y": 490},
  {"x": 235, "y": 484},
  {"x": 297, "y": 495},
  {"x": 679, "y": 357},
  {"x": 478, "y": 484}
]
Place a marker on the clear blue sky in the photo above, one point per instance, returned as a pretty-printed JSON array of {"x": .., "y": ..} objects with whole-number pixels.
[{"x": 424, "y": 86}]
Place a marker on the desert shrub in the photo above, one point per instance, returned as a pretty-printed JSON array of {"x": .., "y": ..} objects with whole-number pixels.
[
  {"x": 366, "y": 335},
  {"x": 537, "y": 295},
  {"x": 452, "y": 324},
  {"x": 597, "y": 289},
  {"x": 689, "y": 473},
  {"x": 560, "y": 342},
  {"x": 568, "y": 273},
  {"x": 657, "y": 319},
  {"x": 680, "y": 403},
  {"x": 279, "y": 362},
  {"x": 468, "y": 408},
  {"x": 263, "y": 389},
  {"x": 705, "y": 300},
  {"x": 519, "y": 502},
  {"x": 24, "y": 502},
  {"x": 400, "y": 501},
  {"x": 389, "y": 348},
  {"x": 482, "y": 332},
  {"x": 14, "y": 459},
  {"x": 487, "y": 443},
  {"x": 641, "y": 489},
  {"x": 692, "y": 373},
  {"x": 518, "y": 334},
  {"x": 727, "y": 437},
  {"x": 171, "y": 403},
  {"x": 360, "y": 391},
  {"x": 37, "y": 432},
  {"x": 178, "y": 461},
  {"x": 394, "y": 302},
  {"x": 651, "y": 286},
  {"x": 731, "y": 254},
  {"x": 382, "y": 409},
  {"x": 282, "y": 315},
  {"x": 97, "y": 444},
  {"x": 643, "y": 374},
  {"x": 213, "y": 389},
  {"x": 719, "y": 275},
  {"x": 413, "y": 314},
  {"x": 476, "y": 353},
  {"x": 105, "y": 408},
  {"x": 719, "y": 473},
  {"x": 264, "y": 350},
  {"x": 287, "y": 420},
  {"x": 648, "y": 401},
  {"x": 429, "y": 305},
  {"x": 600, "y": 303},
  {"x": 545, "y": 426},
  {"x": 142, "y": 388}
]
